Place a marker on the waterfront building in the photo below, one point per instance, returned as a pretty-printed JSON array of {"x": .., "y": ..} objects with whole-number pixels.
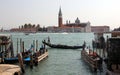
[
  {"x": 100, "y": 29},
  {"x": 77, "y": 26}
]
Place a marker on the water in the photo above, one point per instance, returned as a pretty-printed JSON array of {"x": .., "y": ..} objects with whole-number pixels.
[{"x": 59, "y": 61}]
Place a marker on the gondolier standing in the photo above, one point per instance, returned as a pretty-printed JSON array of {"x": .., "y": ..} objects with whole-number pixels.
[
  {"x": 48, "y": 39},
  {"x": 44, "y": 45}
]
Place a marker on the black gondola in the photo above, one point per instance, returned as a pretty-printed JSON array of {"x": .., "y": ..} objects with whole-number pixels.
[
  {"x": 61, "y": 46},
  {"x": 11, "y": 60}
]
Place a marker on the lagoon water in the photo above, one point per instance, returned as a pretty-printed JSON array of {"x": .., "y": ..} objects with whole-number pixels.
[{"x": 59, "y": 61}]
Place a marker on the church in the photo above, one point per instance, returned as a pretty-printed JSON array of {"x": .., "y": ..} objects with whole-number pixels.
[{"x": 77, "y": 26}]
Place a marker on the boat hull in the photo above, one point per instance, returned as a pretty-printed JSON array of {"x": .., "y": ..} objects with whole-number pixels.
[
  {"x": 11, "y": 60},
  {"x": 92, "y": 59},
  {"x": 62, "y": 46}
]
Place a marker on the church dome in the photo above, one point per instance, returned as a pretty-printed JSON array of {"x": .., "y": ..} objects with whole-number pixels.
[{"x": 77, "y": 21}]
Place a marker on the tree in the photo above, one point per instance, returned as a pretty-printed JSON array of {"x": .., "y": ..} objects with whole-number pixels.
[
  {"x": 29, "y": 26},
  {"x": 22, "y": 26},
  {"x": 38, "y": 25},
  {"x": 25, "y": 26},
  {"x": 33, "y": 26}
]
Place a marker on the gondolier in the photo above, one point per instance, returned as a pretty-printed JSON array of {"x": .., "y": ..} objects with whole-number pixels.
[{"x": 48, "y": 39}]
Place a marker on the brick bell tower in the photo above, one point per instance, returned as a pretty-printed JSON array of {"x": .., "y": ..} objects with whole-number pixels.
[{"x": 60, "y": 18}]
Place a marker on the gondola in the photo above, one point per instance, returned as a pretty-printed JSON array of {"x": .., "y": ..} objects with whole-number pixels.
[
  {"x": 36, "y": 57},
  {"x": 26, "y": 60},
  {"x": 61, "y": 46},
  {"x": 11, "y": 60},
  {"x": 92, "y": 59}
]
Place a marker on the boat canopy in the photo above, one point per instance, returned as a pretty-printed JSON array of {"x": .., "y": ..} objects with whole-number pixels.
[{"x": 4, "y": 37}]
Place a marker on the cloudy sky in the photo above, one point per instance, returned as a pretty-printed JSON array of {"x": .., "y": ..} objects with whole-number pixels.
[{"x": 14, "y": 13}]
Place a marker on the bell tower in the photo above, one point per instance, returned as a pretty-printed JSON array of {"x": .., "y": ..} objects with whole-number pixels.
[{"x": 60, "y": 18}]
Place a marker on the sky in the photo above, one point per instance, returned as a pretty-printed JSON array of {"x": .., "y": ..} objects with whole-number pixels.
[{"x": 14, "y": 13}]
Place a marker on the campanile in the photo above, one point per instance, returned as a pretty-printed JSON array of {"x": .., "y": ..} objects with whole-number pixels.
[{"x": 60, "y": 18}]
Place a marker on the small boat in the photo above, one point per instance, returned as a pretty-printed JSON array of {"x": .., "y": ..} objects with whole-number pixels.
[
  {"x": 37, "y": 56},
  {"x": 26, "y": 33},
  {"x": 40, "y": 55},
  {"x": 26, "y": 60},
  {"x": 5, "y": 39},
  {"x": 61, "y": 46},
  {"x": 11, "y": 60},
  {"x": 6, "y": 46},
  {"x": 92, "y": 58}
]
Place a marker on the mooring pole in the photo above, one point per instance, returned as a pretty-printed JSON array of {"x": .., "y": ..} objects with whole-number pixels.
[
  {"x": 21, "y": 45},
  {"x": 36, "y": 45},
  {"x": 21, "y": 63},
  {"x": 31, "y": 61},
  {"x": 33, "y": 46},
  {"x": 107, "y": 46},
  {"x": 17, "y": 45}
]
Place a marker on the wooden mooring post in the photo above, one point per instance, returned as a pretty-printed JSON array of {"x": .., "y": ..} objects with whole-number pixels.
[
  {"x": 20, "y": 45},
  {"x": 31, "y": 61},
  {"x": 36, "y": 45},
  {"x": 33, "y": 46},
  {"x": 23, "y": 46},
  {"x": 21, "y": 63},
  {"x": 17, "y": 46}
]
